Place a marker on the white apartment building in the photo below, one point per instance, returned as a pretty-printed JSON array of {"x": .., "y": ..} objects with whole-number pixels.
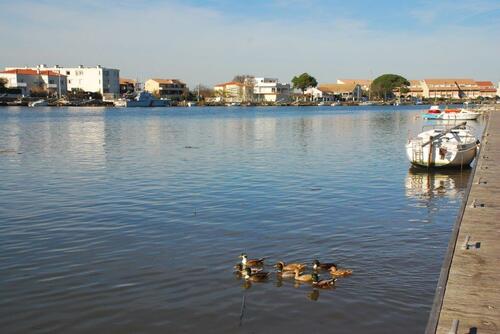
[
  {"x": 96, "y": 79},
  {"x": 234, "y": 92},
  {"x": 270, "y": 90},
  {"x": 32, "y": 82}
]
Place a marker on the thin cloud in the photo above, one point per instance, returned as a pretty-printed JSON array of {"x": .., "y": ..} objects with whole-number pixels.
[{"x": 207, "y": 45}]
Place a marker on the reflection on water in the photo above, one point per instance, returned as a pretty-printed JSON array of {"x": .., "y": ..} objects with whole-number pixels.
[
  {"x": 129, "y": 221},
  {"x": 426, "y": 184}
]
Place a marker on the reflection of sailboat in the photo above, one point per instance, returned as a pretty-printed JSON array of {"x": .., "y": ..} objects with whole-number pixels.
[{"x": 421, "y": 183}]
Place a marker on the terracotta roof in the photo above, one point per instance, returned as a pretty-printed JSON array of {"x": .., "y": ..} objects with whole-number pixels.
[
  {"x": 485, "y": 84},
  {"x": 450, "y": 81},
  {"x": 337, "y": 88},
  {"x": 362, "y": 82},
  {"x": 167, "y": 81},
  {"x": 230, "y": 83},
  {"x": 488, "y": 90},
  {"x": 26, "y": 71},
  {"x": 124, "y": 81}
]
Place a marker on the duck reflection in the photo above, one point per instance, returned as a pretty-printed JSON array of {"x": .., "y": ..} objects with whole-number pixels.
[
  {"x": 313, "y": 295},
  {"x": 423, "y": 183}
]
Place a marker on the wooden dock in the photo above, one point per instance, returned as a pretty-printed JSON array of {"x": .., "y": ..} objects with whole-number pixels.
[{"x": 467, "y": 298}]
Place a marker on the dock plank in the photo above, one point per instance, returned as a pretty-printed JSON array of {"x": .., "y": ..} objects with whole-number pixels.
[{"x": 472, "y": 288}]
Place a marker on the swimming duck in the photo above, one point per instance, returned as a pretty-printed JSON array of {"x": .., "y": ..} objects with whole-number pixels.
[
  {"x": 324, "y": 283},
  {"x": 258, "y": 276},
  {"x": 251, "y": 263},
  {"x": 322, "y": 266},
  {"x": 281, "y": 266},
  {"x": 286, "y": 274},
  {"x": 302, "y": 278},
  {"x": 337, "y": 272},
  {"x": 240, "y": 269}
]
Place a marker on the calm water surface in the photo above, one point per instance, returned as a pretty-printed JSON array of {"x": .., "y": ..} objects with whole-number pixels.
[{"x": 130, "y": 220}]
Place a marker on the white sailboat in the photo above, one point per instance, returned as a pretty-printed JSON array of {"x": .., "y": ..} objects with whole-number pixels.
[{"x": 443, "y": 147}]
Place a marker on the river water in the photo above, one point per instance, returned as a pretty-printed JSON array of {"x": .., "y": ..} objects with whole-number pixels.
[{"x": 130, "y": 220}]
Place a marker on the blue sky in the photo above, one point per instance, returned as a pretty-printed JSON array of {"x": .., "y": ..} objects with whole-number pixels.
[{"x": 209, "y": 41}]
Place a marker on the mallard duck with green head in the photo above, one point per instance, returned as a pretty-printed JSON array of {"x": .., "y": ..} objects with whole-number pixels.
[
  {"x": 324, "y": 283},
  {"x": 256, "y": 276}
]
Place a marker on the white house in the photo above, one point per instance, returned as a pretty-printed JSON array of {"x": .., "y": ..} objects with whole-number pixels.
[
  {"x": 96, "y": 79},
  {"x": 317, "y": 94},
  {"x": 270, "y": 90},
  {"x": 31, "y": 81}
]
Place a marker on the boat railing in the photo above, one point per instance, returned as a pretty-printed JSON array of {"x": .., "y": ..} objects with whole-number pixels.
[{"x": 443, "y": 133}]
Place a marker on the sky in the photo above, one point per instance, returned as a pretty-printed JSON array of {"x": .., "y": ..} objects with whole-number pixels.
[{"x": 209, "y": 41}]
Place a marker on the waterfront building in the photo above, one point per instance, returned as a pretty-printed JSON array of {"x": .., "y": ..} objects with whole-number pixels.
[
  {"x": 346, "y": 91},
  {"x": 127, "y": 86},
  {"x": 450, "y": 88},
  {"x": 415, "y": 89},
  {"x": 486, "y": 89},
  {"x": 96, "y": 79},
  {"x": 271, "y": 90},
  {"x": 364, "y": 83},
  {"x": 319, "y": 95},
  {"x": 172, "y": 89},
  {"x": 34, "y": 82},
  {"x": 234, "y": 92}
]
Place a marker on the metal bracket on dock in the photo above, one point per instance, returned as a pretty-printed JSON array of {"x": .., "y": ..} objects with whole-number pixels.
[
  {"x": 470, "y": 245},
  {"x": 480, "y": 181},
  {"x": 454, "y": 327},
  {"x": 475, "y": 204}
]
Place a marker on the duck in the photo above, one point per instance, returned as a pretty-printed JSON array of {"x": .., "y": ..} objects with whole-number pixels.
[
  {"x": 337, "y": 272},
  {"x": 324, "y": 283},
  {"x": 281, "y": 266},
  {"x": 257, "y": 276},
  {"x": 240, "y": 269},
  {"x": 302, "y": 278},
  {"x": 286, "y": 274},
  {"x": 251, "y": 263},
  {"x": 322, "y": 266}
]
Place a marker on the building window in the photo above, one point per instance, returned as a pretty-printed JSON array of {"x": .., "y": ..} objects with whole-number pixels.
[{"x": 67, "y": 73}]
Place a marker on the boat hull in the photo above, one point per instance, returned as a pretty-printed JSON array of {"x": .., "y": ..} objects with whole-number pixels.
[
  {"x": 441, "y": 156},
  {"x": 459, "y": 116}
]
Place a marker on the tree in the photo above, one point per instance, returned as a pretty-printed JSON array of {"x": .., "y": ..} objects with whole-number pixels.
[
  {"x": 205, "y": 91},
  {"x": 3, "y": 82},
  {"x": 304, "y": 81},
  {"x": 243, "y": 78},
  {"x": 384, "y": 86}
]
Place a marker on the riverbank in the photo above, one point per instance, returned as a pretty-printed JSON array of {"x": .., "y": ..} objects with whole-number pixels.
[{"x": 467, "y": 299}]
